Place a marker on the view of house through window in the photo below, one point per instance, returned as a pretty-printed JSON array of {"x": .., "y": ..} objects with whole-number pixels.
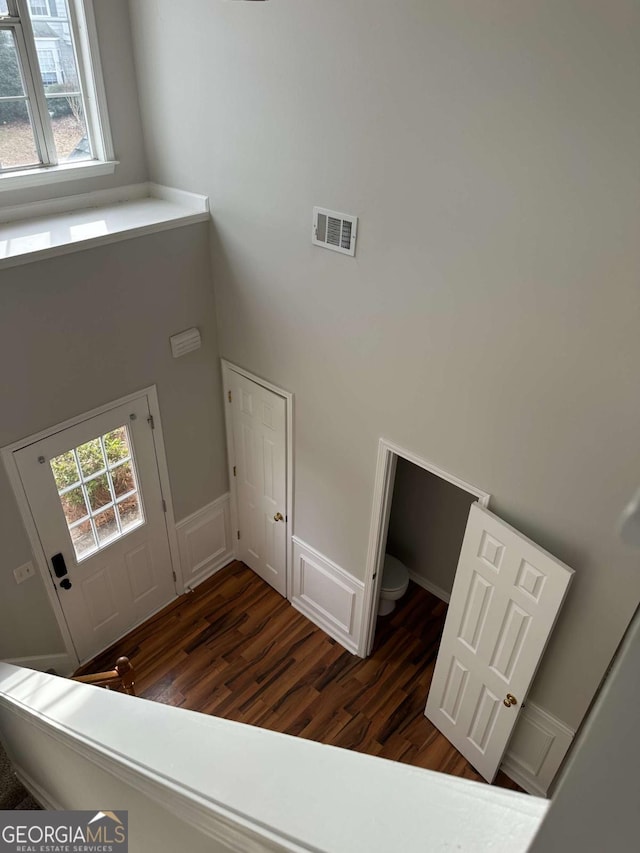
[
  {"x": 42, "y": 117},
  {"x": 18, "y": 146},
  {"x": 98, "y": 489}
]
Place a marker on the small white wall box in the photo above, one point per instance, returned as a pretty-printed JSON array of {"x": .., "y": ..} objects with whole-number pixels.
[
  {"x": 22, "y": 573},
  {"x": 335, "y": 231},
  {"x": 185, "y": 342}
]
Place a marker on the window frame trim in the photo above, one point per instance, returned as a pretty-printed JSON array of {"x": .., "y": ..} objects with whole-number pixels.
[
  {"x": 85, "y": 35},
  {"x": 39, "y": 128},
  {"x": 40, "y": 176},
  {"x": 43, "y": 130}
]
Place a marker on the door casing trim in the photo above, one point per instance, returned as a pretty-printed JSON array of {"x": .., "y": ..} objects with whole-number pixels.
[
  {"x": 388, "y": 454},
  {"x": 227, "y": 368},
  {"x": 7, "y": 454}
]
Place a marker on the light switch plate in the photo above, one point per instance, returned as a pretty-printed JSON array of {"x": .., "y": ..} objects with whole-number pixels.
[{"x": 23, "y": 573}]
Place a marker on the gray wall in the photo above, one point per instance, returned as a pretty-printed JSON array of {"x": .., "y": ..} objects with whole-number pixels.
[
  {"x": 85, "y": 329},
  {"x": 596, "y": 805},
  {"x": 81, "y": 330},
  {"x": 489, "y": 322},
  {"x": 112, "y": 23},
  {"x": 427, "y": 523}
]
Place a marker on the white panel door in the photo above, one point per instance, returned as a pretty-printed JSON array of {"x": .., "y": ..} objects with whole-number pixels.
[
  {"x": 95, "y": 497},
  {"x": 506, "y": 597},
  {"x": 259, "y": 439}
]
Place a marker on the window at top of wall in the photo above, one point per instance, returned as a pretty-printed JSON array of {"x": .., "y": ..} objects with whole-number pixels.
[{"x": 53, "y": 121}]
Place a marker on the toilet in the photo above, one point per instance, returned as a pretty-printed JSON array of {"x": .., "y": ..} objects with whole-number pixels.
[{"x": 395, "y": 580}]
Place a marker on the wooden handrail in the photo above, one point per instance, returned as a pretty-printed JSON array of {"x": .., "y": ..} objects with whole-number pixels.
[{"x": 122, "y": 677}]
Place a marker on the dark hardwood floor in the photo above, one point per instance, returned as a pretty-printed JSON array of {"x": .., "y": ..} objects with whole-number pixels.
[{"x": 236, "y": 649}]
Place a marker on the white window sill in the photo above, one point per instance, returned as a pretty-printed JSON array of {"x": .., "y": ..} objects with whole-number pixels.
[
  {"x": 29, "y": 178},
  {"x": 34, "y": 232}
]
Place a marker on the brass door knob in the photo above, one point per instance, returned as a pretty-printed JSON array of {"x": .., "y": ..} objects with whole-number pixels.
[
  {"x": 278, "y": 517},
  {"x": 510, "y": 700}
]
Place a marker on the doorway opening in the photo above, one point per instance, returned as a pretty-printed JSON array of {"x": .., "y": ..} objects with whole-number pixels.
[
  {"x": 426, "y": 526},
  {"x": 506, "y": 593},
  {"x": 419, "y": 517}
]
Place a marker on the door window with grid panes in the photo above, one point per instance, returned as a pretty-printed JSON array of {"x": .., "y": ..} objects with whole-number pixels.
[{"x": 98, "y": 488}]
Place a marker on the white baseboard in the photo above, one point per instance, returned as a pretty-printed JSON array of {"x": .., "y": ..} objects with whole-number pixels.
[
  {"x": 327, "y": 595},
  {"x": 61, "y": 663},
  {"x": 204, "y": 540},
  {"x": 430, "y": 587},
  {"x": 536, "y": 750}
]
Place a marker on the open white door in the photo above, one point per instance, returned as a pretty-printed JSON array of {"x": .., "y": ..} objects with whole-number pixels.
[{"x": 505, "y": 600}]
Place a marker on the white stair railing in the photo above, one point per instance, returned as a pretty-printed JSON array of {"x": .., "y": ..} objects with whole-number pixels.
[{"x": 196, "y": 782}]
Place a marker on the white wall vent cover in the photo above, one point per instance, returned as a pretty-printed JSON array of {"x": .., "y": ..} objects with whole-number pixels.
[
  {"x": 185, "y": 342},
  {"x": 336, "y": 231}
]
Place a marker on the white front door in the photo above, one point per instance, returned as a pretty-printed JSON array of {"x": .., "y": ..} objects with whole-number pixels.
[
  {"x": 506, "y": 596},
  {"x": 259, "y": 443},
  {"x": 95, "y": 497}
]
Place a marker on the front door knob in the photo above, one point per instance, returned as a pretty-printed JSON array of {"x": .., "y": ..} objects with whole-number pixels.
[
  {"x": 278, "y": 517},
  {"x": 65, "y": 584}
]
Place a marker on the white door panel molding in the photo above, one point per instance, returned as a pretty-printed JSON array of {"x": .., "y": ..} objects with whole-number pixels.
[
  {"x": 505, "y": 600},
  {"x": 259, "y": 429}
]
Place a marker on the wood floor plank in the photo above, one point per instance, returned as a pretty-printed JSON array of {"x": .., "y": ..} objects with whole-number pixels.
[
  {"x": 237, "y": 649},
  {"x": 398, "y": 749}
]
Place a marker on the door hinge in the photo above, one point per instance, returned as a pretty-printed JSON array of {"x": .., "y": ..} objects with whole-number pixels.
[
  {"x": 164, "y": 505},
  {"x": 174, "y": 577},
  {"x": 151, "y": 422},
  {"x": 234, "y": 471},
  {"x": 229, "y": 395},
  {"x": 238, "y": 534}
]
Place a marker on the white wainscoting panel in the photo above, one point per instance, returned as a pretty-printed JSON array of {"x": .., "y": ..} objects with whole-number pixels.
[
  {"x": 327, "y": 595},
  {"x": 205, "y": 543},
  {"x": 537, "y": 748}
]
